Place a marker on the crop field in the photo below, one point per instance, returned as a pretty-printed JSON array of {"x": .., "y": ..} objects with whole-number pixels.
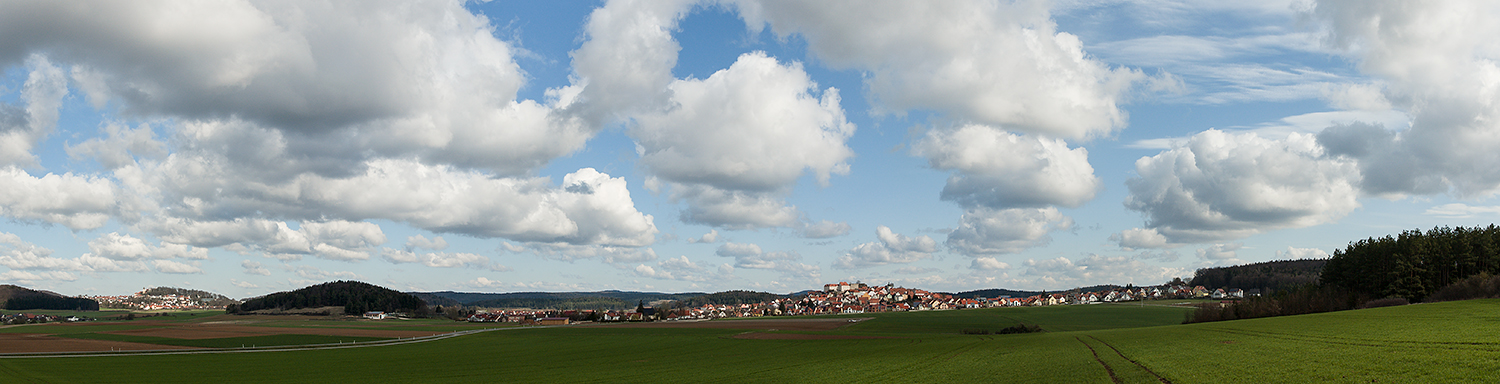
[{"x": 1443, "y": 342}]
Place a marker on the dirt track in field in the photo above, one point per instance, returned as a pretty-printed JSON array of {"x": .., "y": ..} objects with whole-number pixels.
[
  {"x": 31, "y": 342},
  {"x": 768, "y": 324}
]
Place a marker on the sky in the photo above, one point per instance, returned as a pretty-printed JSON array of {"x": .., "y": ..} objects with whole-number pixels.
[{"x": 249, "y": 147}]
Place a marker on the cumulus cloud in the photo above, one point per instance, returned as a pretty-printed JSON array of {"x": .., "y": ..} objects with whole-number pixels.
[
  {"x": 125, "y": 247},
  {"x": 437, "y": 259},
  {"x": 1091, "y": 270},
  {"x": 1455, "y": 122},
  {"x": 418, "y": 241},
  {"x": 22, "y": 128},
  {"x": 985, "y": 231},
  {"x": 997, "y": 169},
  {"x": 254, "y": 268},
  {"x": 589, "y": 208},
  {"x": 680, "y": 268},
  {"x": 333, "y": 240},
  {"x": 708, "y": 238},
  {"x": 1294, "y": 253},
  {"x": 735, "y": 142},
  {"x": 176, "y": 267},
  {"x": 1220, "y": 186},
  {"x": 1221, "y": 253},
  {"x": 825, "y": 229},
  {"x": 1461, "y": 211},
  {"x": 750, "y": 256},
  {"x": 27, "y": 277},
  {"x": 120, "y": 146},
  {"x": 76, "y": 202},
  {"x": 988, "y": 264},
  {"x": 892, "y": 248},
  {"x": 994, "y": 63},
  {"x": 619, "y": 256},
  {"x": 1138, "y": 238}
]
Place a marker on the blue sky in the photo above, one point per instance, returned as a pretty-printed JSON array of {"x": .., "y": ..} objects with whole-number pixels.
[{"x": 249, "y": 147}]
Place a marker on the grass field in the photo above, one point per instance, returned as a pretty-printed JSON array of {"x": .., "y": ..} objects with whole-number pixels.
[{"x": 1444, "y": 342}]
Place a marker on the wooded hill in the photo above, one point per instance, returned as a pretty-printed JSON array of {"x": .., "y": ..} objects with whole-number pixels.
[
  {"x": 1414, "y": 264},
  {"x": 20, "y": 298},
  {"x": 356, "y": 298},
  {"x": 1267, "y": 276}
]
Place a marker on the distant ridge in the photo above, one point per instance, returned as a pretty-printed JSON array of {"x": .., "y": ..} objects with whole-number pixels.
[
  {"x": 609, "y": 299},
  {"x": 18, "y": 298}
]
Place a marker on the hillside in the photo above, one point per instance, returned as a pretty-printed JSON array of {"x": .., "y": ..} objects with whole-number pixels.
[
  {"x": 732, "y": 298},
  {"x": 20, "y": 298},
  {"x": 355, "y": 298}
]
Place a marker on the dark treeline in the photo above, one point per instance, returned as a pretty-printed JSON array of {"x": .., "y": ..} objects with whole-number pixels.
[
  {"x": 731, "y": 298},
  {"x": 356, "y": 298},
  {"x": 51, "y": 302},
  {"x": 1440, "y": 264},
  {"x": 1414, "y": 264},
  {"x": 1270, "y": 276}
]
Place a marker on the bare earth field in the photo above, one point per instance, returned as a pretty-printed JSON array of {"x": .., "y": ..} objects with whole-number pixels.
[
  {"x": 769, "y": 324},
  {"x": 31, "y": 342}
]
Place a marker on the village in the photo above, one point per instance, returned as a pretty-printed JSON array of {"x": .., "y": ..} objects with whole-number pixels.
[
  {"x": 150, "y": 300},
  {"x": 846, "y": 298}
]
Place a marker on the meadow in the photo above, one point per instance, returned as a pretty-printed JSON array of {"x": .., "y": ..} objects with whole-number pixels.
[{"x": 1442, "y": 342}]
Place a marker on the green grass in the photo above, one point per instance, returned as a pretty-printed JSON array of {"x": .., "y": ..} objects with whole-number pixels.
[
  {"x": 228, "y": 342},
  {"x": 1444, "y": 342}
]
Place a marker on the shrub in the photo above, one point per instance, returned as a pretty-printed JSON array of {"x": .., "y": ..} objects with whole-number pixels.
[
  {"x": 975, "y": 332},
  {"x": 1020, "y": 328},
  {"x": 1481, "y": 286},
  {"x": 1386, "y": 302}
]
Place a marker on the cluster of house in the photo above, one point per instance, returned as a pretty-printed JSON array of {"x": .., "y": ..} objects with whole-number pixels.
[
  {"x": 33, "y": 318},
  {"x": 142, "y": 301},
  {"x": 1115, "y": 295},
  {"x": 843, "y": 298}
]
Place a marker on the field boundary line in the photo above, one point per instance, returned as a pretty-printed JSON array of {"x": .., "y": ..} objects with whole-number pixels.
[
  {"x": 1111, "y": 371},
  {"x": 1449, "y": 345},
  {"x": 1132, "y": 361}
]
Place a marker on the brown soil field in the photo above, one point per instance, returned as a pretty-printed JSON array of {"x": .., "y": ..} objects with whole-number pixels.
[
  {"x": 214, "y": 331},
  {"x": 799, "y": 336},
  {"x": 768, "y": 324},
  {"x": 28, "y": 342}
]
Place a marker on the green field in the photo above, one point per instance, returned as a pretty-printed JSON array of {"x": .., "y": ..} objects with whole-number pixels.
[{"x": 1443, "y": 342}]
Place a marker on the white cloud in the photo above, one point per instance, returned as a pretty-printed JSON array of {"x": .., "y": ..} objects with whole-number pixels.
[
  {"x": 1461, "y": 211},
  {"x": 32, "y": 276},
  {"x": 892, "y": 248},
  {"x": 991, "y": 63},
  {"x": 825, "y": 229},
  {"x": 1294, "y": 253},
  {"x": 1137, "y": 238},
  {"x": 988, "y": 264},
  {"x": 985, "y": 231},
  {"x": 735, "y": 142},
  {"x": 418, "y": 241},
  {"x": 1062, "y": 273},
  {"x": 254, "y": 268},
  {"x": 21, "y": 129},
  {"x": 1221, "y": 253},
  {"x": 1455, "y": 118},
  {"x": 319, "y": 275},
  {"x": 437, "y": 259},
  {"x": 76, "y": 202},
  {"x": 708, "y": 238},
  {"x": 125, "y": 247},
  {"x": 483, "y": 282},
  {"x": 679, "y": 268},
  {"x": 750, "y": 256},
  {"x": 997, "y": 169},
  {"x": 333, "y": 240},
  {"x": 175, "y": 267},
  {"x": 120, "y": 145},
  {"x": 1221, "y": 186},
  {"x": 243, "y": 284},
  {"x": 610, "y": 255}
]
